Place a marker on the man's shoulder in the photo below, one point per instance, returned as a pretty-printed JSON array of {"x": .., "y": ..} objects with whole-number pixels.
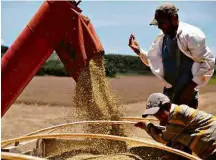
[
  {"x": 178, "y": 117},
  {"x": 191, "y": 30},
  {"x": 179, "y": 110}
]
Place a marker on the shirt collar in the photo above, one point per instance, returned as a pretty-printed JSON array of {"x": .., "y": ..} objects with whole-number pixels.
[
  {"x": 179, "y": 30},
  {"x": 172, "y": 108}
]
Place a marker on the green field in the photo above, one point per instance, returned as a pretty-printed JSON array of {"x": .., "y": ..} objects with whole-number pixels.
[{"x": 212, "y": 80}]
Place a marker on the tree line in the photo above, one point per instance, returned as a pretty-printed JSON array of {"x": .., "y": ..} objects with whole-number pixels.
[{"x": 115, "y": 64}]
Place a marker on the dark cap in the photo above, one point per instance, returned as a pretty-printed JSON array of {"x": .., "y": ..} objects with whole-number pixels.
[
  {"x": 163, "y": 11},
  {"x": 154, "y": 103}
]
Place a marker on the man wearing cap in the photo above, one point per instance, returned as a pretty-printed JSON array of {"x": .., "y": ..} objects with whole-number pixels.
[
  {"x": 193, "y": 128},
  {"x": 179, "y": 56}
]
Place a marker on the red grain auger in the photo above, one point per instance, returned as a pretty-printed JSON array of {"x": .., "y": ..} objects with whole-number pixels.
[{"x": 59, "y": 26}]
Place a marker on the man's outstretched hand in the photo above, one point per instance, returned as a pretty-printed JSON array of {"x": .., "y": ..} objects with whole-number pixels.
[{"x": 133, "y": 44}]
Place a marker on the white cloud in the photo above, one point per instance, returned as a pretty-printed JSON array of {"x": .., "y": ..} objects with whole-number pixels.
[{"x": 2, "y": 41}]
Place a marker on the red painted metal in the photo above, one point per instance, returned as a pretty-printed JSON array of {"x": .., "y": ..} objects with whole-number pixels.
[
  {"x": 79, "y": 44},
  {"x": 57, "y": 25}
]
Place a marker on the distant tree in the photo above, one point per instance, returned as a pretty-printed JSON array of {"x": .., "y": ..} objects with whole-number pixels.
[
  {"x": 215, "y": 68},
  {"x": 110, "y": 69},
  {"x": 126, "y": 64},
  {"x": 3, "y": 49}
]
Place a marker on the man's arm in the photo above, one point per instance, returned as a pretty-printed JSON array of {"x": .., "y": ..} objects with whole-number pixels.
[
  {"x": 143, "y": 57},
  {"x": 203, "y": 67},
  {"x": 154, "y": 131},
  {"x": 163, "y": 136}
]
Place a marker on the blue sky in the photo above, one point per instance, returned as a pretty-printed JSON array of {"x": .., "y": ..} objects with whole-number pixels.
[{"x": 114, "y": 21}]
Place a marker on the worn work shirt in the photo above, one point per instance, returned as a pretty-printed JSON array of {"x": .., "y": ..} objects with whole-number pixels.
[{"x": 193, "y": 128}]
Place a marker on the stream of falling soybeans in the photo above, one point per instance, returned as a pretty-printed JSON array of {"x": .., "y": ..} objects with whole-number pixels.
[{"x": 94, "y": 100}]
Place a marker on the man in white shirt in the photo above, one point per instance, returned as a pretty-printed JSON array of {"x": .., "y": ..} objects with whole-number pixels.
[{"x": 179, "y": 56}]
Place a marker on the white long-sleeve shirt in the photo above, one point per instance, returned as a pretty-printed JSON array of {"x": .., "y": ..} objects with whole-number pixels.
[{"x": 191, "y": 41}]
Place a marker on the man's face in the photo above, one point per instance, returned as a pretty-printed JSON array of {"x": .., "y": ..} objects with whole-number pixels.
[
  {"x": 164, "y": 25},
  {"x": 167, "y": 24},
  {"x": 163, "y": 116}
]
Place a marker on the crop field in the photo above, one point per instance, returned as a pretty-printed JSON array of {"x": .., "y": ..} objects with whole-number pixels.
[{"x": 48, "y": 101}]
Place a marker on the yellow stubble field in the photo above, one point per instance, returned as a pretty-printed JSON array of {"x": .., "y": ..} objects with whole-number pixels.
[{"x": 48, "y": 101}]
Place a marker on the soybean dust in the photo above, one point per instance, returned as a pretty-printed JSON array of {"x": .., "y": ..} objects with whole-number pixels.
[{"x": 94, "y": 100}]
